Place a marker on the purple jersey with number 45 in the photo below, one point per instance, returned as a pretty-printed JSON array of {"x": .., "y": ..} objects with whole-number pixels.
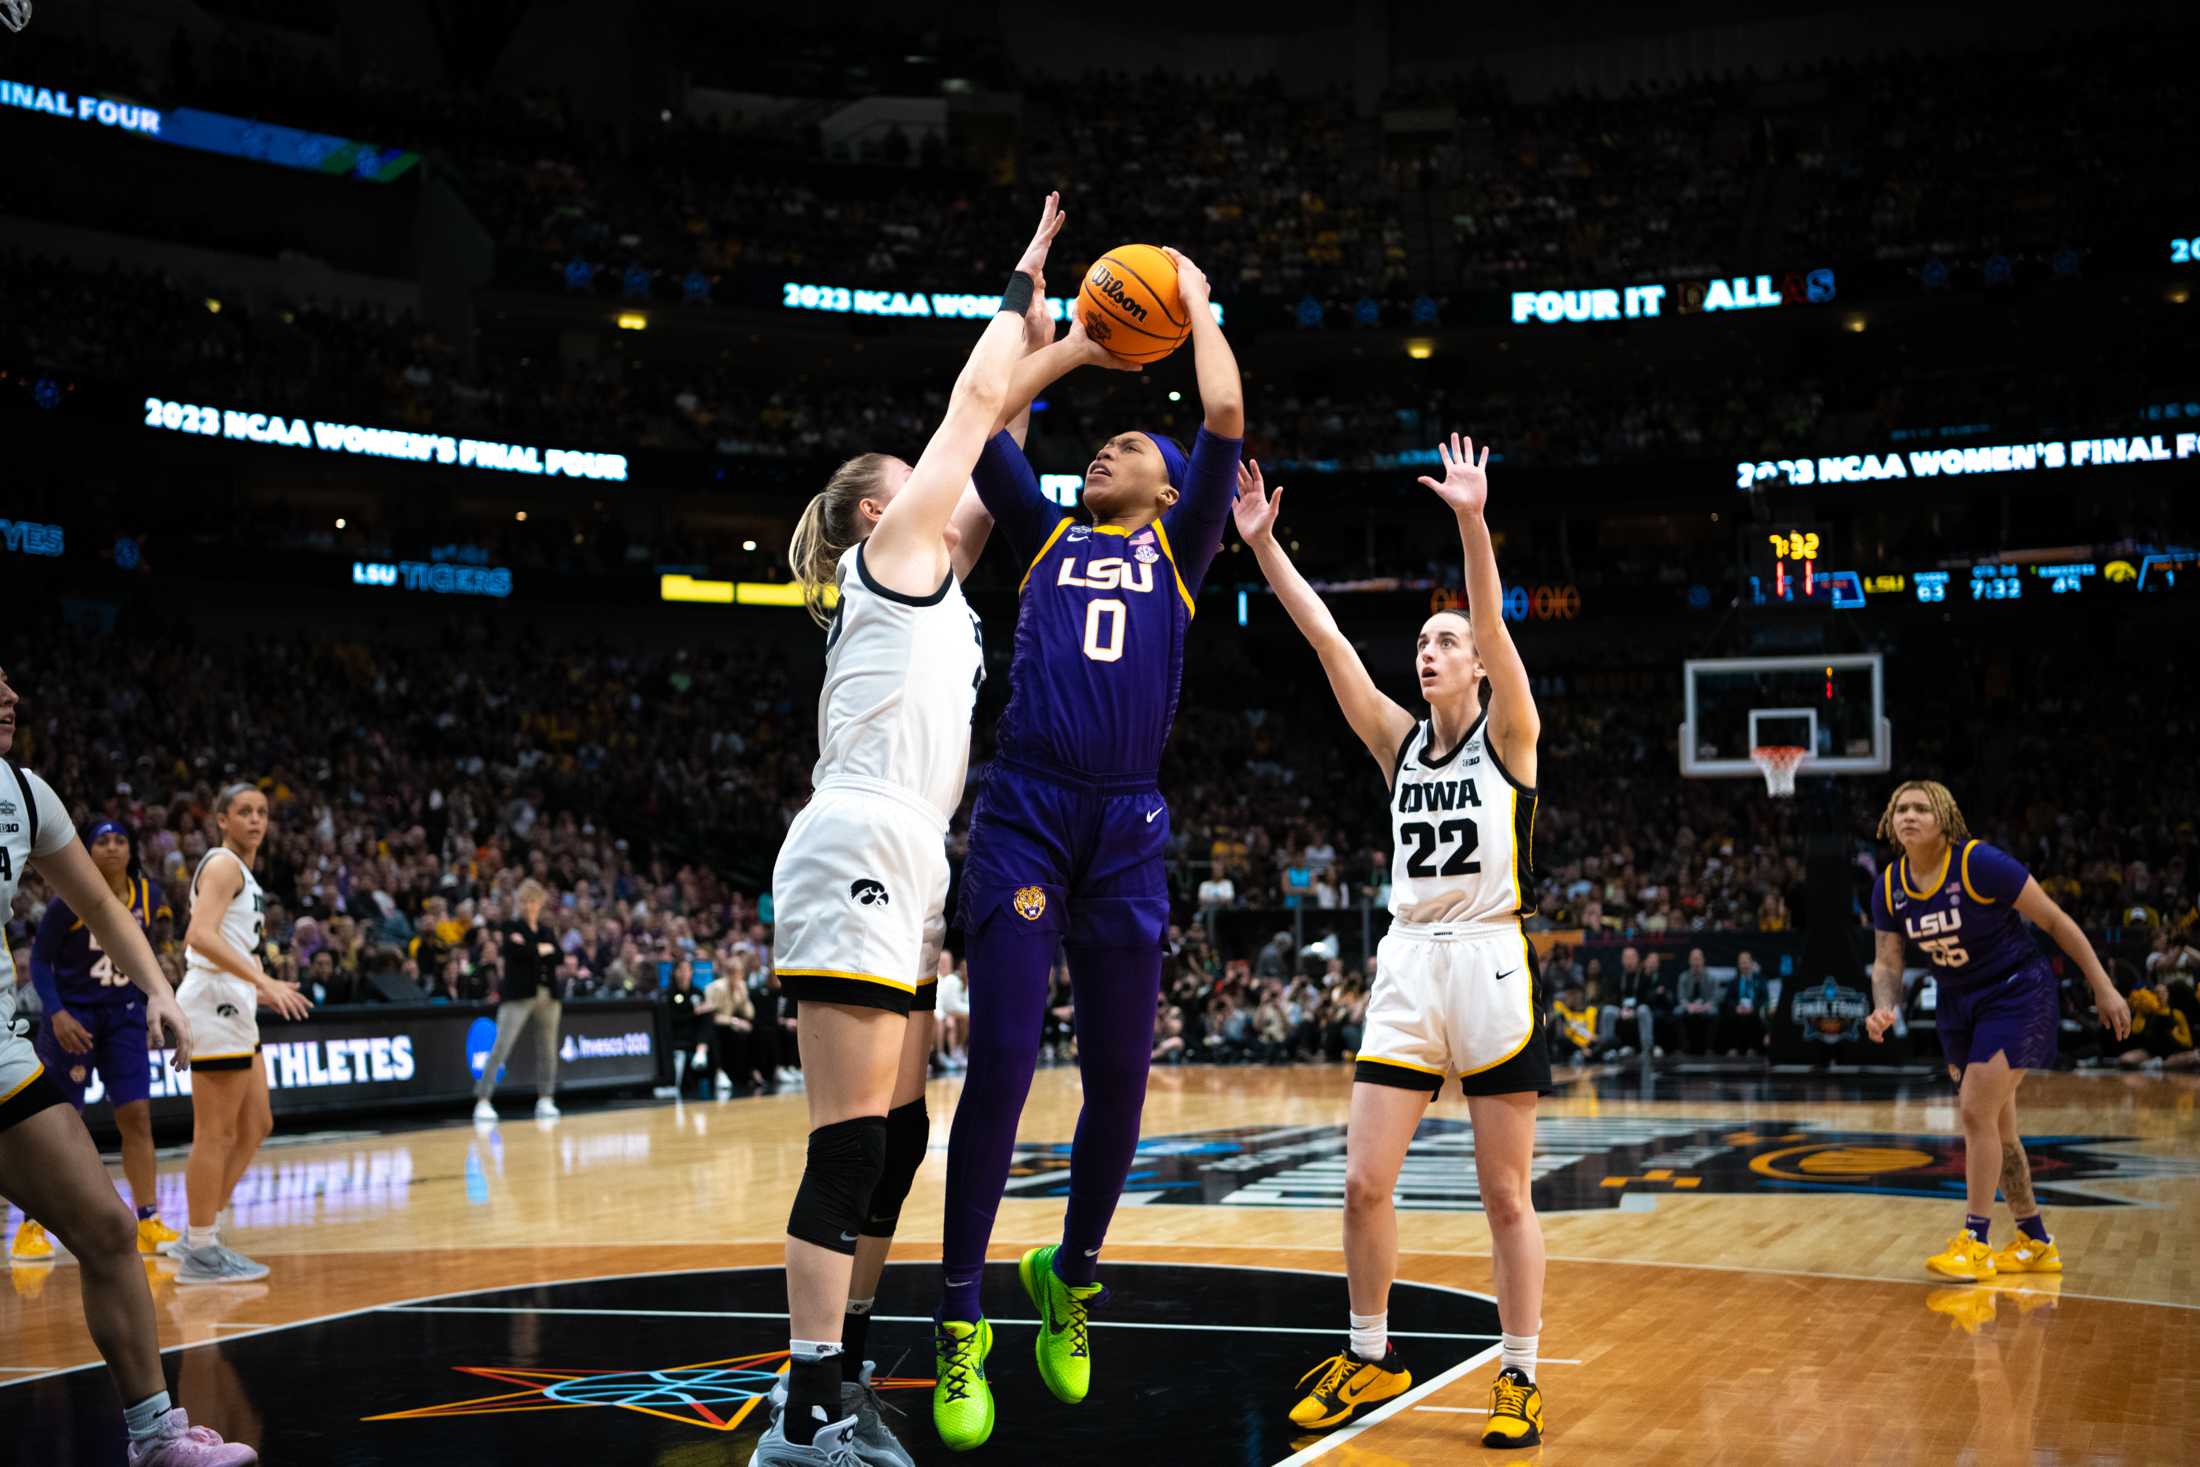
[{"x": 1963, "y": 916}]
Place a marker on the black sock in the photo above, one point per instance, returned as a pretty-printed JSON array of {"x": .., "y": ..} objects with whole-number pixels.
[
  {"x": 813, "y": 1398},
  {"x": 855, "y": 1333}
]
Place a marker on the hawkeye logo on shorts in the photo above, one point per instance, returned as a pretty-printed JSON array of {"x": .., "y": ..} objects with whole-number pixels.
[
  {"x": 869, "y": 893},
  {"x": 1594, "y": 1163},
  {"x": 226, "y": 1010},
  {"x": 1031, "y": 903}
]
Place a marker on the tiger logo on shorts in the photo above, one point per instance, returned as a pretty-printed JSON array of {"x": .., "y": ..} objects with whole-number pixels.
[{"x": 1031, "y": 903}]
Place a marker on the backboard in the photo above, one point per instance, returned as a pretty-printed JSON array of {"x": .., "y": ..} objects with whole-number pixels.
[{"x": 1833, "y": 706}]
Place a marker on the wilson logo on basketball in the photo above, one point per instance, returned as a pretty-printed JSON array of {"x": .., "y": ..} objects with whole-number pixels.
[
  {"x": 869, "y": 893},
  {"x": 1111, "y": 289}
]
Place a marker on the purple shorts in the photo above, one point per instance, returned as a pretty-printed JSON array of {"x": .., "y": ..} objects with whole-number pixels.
[
  {"x": 118, "y": 1053},
  {"x": 2017, "y": 1015}
]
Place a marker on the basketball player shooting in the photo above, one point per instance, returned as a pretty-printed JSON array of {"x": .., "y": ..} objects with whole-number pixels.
[{"x": 1068, "y": 836}]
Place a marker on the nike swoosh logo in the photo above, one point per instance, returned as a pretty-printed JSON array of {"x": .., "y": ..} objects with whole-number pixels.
[
  {"x": 1506, "y": 974},
  {"x": 1151, "y": 813},
  {"x": 1092, "y": 1252},
  {"x": 847, "y": 1237}
]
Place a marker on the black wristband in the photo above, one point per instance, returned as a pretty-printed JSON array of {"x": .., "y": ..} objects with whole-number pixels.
[{"x": 1017, "y": 298}]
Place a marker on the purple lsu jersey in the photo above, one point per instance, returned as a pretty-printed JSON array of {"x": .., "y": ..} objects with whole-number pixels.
[
  {"x": 1099, "y": 647},
  {"x": 67, "y": 964},
  {"x": 1964, "y": 916}
]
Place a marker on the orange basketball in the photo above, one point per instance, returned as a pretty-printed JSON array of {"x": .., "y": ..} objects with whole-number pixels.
[{"x": 1129, "y": 304}]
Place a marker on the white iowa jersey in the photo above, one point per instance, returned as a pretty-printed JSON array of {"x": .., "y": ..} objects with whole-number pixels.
[
  {"x": 901, "y": 681},
  {"x": 33, "y": 822},
  {"x": 1459, "y": 823},
  {"x": 241, "y": 923}
]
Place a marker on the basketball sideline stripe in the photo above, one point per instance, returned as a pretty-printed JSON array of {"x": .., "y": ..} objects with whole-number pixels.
[
  {"x": 1389, "y": 1409},
  {"x": 1265, "y": 1329}
]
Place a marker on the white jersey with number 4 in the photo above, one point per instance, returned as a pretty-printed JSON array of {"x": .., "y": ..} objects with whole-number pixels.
[
  {"x": 1459, "y": 822},
  {"x": 901, "y": 681}
]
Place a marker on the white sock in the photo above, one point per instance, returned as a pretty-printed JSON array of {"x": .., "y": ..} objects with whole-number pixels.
[
  {"x": 143, "y": 1419},
  {"x": 1517, "y": 1352},
  {"x": 1370, "y": 1334},
  {"x": 813, "y": 1349},
  {"x": 197, "y": 1237},
  {"x": 862, "y": 1306}
]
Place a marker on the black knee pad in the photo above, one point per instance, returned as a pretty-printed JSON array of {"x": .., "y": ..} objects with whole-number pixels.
[
  {"x": 908, "y": 1132},
  {"x": 845, "y": 1160}
]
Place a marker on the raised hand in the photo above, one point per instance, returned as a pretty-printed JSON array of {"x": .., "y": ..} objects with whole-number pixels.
[
  {"x": 1051, "y": 219},
  {"x": 1191, "y": 281},
  {"x": 1254, "y": 509},
  {"x": 1092, "y": 353},
  {"x": 1466, "y": 485},
  {"x": 1038, "y": 324}
]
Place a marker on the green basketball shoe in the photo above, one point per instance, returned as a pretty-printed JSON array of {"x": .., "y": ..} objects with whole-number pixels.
[
  {"x": 962, "y": 1401},
  {"x": 1064, "y": 1350}
]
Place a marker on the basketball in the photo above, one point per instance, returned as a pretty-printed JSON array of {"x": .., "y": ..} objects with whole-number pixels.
[{"x": 1129, "y": 303}]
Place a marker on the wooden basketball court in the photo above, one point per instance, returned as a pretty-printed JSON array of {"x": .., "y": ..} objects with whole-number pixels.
[{"x": 1736, "y": 1276}]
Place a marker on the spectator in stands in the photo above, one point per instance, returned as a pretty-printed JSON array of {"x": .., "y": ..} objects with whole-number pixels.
[
  {"x": 1700, "y": 998},
  {"x": 1741, "y": 1016},
  {"x": 1631, "y": 1010}
]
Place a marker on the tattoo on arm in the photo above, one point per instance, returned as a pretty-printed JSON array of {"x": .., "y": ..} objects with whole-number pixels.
[
  {"x": 2016, "y": 1179},
  {"x": 1887, "y": 972}
]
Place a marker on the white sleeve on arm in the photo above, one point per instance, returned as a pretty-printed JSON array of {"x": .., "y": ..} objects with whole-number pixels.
[{"x": 54, "y": 830}]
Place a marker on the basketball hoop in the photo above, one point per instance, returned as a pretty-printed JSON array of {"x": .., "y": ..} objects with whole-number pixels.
[
  {"x": 15, "y": 14},
  {"x": 1777, "y": 763}
]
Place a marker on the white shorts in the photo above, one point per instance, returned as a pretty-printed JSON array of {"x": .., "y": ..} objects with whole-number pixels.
[
  {"x": 19, "y": 1064},
  {"x": 860, "y": 898},
  {"x": 224, "y": 1014},
  {"x": 1465, "y": 1004}
]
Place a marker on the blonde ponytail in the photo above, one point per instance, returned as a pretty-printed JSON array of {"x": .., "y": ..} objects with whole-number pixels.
[{"x": 831, "y": 522}]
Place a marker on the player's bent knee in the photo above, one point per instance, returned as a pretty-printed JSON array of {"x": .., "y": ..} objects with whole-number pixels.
[
  {"x": 845, "y": 1162},
  {"x": 103, "y": 1228},
  {"x": 1504, "y": 1208},
  {"x": 908, "y": 1133}
]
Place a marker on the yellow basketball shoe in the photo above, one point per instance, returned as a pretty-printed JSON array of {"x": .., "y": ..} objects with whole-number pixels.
[
  {"x": 1344, "y": 1386},
  {"x": 1516, "y": 1411},
  {"x": 155, "y": 1235},
  {"x": 33, "y": 1244},
  {"x": 1964, "y": 1258},
  {"x": 2028, "y": 1255}
]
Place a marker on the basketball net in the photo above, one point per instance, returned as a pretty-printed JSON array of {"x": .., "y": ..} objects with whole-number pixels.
[
  {"x": 1777, "y": 762},
  {"x": 15, "y": 14}
]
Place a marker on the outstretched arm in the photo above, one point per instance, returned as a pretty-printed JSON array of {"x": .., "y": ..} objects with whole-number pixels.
[
  {"x": 907, "y": 553},
  {"x": 1221, "y": 389},
  {"x": 1514, "y": 722},
  {"x": 1381, "y": 724}
]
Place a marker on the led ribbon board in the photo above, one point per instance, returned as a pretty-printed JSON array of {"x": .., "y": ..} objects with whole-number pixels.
[
  {"x": 216, "y": 132},
  {"x": 276, "y": 430},
  {"x": 947, "y": 305}
]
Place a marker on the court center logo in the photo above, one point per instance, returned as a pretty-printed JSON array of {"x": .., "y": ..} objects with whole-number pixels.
[
  {"x": 714, "y": 1395},
  {"x": 1590, "y": 1163}
]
